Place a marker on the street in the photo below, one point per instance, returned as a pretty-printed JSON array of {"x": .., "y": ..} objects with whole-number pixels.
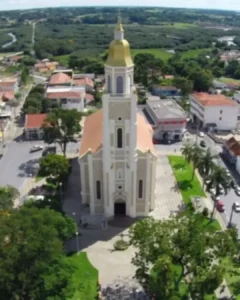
[
  {"x": 18, "y": 165},
  {"x": 216, "y": 149}
]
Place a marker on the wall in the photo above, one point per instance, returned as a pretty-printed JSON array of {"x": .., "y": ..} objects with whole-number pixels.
[
  {"x": 225, "y": 117},
  {"x": 238, "y": 165},
  {"x": 141, "y": 175}
]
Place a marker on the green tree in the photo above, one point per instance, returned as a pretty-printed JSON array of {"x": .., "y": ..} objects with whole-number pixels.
[
  {"x": 61, "y": 126},
  {"x": 54, "y": 166},
  {"x": 33, "y": 263},
  {"x": 202, "y": 80},
  {"x": 187, "y": 152},
  {"x": 196, "y": 158},
  {"x": 184, "y": 84},
  {"x": 24, "y": 75},
  {"x": 206, "y": 163},
  {"x": 218, "y": 180},
  {"x": 170, "y": 250},
  {"x": 7, "y": 196}
]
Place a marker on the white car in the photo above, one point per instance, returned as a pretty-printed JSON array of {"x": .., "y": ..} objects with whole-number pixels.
[
  {"x": 221, "y": 190},
  {"x": 201, "y": 134},
  {"x": 237, "y": 190},
  {"x": 36, "y": 148},
  {"x": 236, "y": 206},
  {"x": 212, "y": 191}
]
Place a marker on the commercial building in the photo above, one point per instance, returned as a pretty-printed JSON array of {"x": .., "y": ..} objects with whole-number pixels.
[
  {"x": 33, "y": 126},
  {"x": 213, "y": 111},
  {"x": 167, "y": 118}
]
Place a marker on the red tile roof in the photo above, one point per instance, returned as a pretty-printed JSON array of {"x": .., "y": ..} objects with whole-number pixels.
[
  {"x": 84, "y": 81},
  {"x": 6, "y": 96},
  {"x": 93, "y": 134},
  {"x": 60, "y": 78},
  {"x": 213, "y": 99},
  {"x": 34, "y": 120},
  {"x": 89, "y": 97},
  {"x": 7, "y": 83},
  {"x": 233, "y": 146},
  {"x": 64, "y": 95}
]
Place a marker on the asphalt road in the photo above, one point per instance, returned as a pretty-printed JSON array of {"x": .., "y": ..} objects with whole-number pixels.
[{"x": 18, "y": 165}]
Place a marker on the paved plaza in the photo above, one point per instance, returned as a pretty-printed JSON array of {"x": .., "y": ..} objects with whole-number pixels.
[{"x": 115, "y": 267}]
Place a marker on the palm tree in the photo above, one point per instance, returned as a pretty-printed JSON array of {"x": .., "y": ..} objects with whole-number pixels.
[
  {"x": 196, "y": 157},
  {"x": 206, "y": 164},
  {"x": 187, "y": 152},
  {"x": 218, "y": 180}
]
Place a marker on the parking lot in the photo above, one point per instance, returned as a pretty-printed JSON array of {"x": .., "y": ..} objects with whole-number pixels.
[{"x": 18, "y": 164}]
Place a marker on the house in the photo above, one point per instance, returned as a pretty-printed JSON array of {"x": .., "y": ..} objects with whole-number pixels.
[
  {"x": 167, "y": 118},
  {"x": 9, "y": 85},
  {"x": 85, "y": 82},
  {"x": 213, "y": 111},
  {"x": 67, "y": 97},
  {"x": 60, "y": 79},
  {"x": 165, "y": 91},
  {"x": 33, "y": 126},
  {"x": 45, "y": 65}
]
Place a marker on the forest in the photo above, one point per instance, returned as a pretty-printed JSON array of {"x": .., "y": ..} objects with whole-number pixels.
[{"x": 81, "y": 30}]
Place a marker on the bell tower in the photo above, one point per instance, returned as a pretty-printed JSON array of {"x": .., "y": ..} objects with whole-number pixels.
[{"x": 119, "y": 127}]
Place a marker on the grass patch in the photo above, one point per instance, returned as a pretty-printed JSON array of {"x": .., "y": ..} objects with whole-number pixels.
[
  {"x": 195, "y": 53},
  {"x": 158, "y": 53},
  {"x": 62, "y": 59},
  {"x": 183, "y": 174},
  {"x": 229, "y": 80},
  {"x": 85, "y": 278},
  {"x": 232, "y": 276}
]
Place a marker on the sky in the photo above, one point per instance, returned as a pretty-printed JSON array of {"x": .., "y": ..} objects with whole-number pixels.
[{"x": 214, "y": 4}]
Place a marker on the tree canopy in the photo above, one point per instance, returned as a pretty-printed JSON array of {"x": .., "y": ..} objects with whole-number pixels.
[
  {"x": 7, "y": 196},
  {"x": 61, "y": 126},
  {"x": 170, "y": 251},
  {"x": 33, "y": 264}
]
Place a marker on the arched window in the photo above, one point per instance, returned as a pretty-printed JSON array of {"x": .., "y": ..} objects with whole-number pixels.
[
  {"x": 119, "y": 85},
  {"x": 120, "y": 174},
  {"x": 98, "y": 189},
  {"x": 109, "y": 84},
  {"x": 140, "y": 189},
  {"x": 119, "y": 138}
]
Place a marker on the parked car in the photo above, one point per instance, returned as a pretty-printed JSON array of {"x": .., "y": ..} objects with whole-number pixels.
[
  {"x": 203, "y": 144},
  {"x": 233, "y": 184},
  {"x": 220, "y": 206},
  {"x": 237, "y": 190},
  {"x": 201, "y": 134},
  {"x": 49, "y": 150},
  {"x": 36, "y": 148},
  {"x": 215, "y": 198},
  {"x": 221, "y": 190},
  {"x": 236, "y": 206}
]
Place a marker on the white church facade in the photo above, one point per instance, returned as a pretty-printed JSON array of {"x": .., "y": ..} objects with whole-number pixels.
[{"x": 117, "y": 158}]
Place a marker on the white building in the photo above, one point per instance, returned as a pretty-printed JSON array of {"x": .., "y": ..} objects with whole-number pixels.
[
  {"x": 211, "y": 110},
  {"x": 67, "y": 97},
  {"x": 117, "y": 157}
]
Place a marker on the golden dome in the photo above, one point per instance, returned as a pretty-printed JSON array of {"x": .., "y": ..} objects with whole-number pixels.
[{"x": 119, "y": 54}]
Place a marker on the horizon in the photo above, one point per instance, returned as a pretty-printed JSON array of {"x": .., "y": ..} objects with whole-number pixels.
[{"x": 11, "y": 5}]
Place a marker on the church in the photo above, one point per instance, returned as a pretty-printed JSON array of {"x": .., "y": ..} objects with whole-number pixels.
[{"x": 117, "y": 157}]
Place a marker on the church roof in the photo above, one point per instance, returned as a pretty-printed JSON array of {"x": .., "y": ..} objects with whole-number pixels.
[{"x": 93, "y": 134}]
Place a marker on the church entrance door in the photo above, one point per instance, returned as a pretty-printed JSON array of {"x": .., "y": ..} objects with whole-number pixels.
[{"x": 120, "y": 209}]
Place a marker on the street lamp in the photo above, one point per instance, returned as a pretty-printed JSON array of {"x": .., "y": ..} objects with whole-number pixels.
[
  {"x": 77, "y": 243},
  {"x": 61, "y": 194}
]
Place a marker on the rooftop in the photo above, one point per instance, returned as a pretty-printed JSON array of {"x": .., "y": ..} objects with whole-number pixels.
[
  {"x": 34, "y": 120},
  {"x": 166, "y": 109},
  {"x": 60, "y": 78},
  {"x": 165, "y": 88},
  {"x": 93, "y": 134},
  {"x": 206, "y": 99},
  {"x": 234, "y": 146}
]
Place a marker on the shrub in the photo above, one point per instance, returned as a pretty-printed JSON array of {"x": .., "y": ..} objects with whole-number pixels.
[
  {"x": 120, "y": 245},
  {"x": 205, "y": 212}
]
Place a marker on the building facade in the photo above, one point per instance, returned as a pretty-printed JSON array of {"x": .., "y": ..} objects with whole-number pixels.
[
  {"x": 168, "y": 120},
  {"x": 117, "y": 158},
  {"x": 215, "y": 111},
  {"x": 33, "y": 126}
]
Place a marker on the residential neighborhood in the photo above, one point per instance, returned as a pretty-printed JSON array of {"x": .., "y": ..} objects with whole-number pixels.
[{"x": 124, "y": 178}]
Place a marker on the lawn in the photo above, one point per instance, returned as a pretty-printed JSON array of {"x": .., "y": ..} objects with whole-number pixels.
[
  {"x": 158, "y": 53},
  {"x": 183, "y": 173},
  {"x": 85, "y": 278},
  {"x": 62, "y": 59},
  {"x": 194, "y": 53},
  {"x": 229, "y": 80}
]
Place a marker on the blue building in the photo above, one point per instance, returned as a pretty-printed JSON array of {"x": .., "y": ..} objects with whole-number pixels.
[{"x": 166, "y": 91}]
